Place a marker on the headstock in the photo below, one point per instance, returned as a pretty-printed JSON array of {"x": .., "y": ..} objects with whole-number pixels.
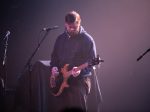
[{"x": 96, "y": 61}]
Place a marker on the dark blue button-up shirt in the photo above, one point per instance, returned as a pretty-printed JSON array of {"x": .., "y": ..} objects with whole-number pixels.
[{"x": 74, "y": 51}]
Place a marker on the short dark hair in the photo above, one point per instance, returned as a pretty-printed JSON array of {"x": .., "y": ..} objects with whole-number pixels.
[{"x": 72, "y": 17}]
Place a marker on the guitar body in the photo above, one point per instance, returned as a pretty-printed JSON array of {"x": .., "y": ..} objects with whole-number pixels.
[
  {"x": 58, "y": 81},
  {"x": 62, "y": 79}
]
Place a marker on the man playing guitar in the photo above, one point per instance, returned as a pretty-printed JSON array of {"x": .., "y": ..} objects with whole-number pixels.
[{"x": 73, "y": 52}]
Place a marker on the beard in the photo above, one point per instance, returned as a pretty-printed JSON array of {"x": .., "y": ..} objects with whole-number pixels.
[{"x": 73, "y": 33}]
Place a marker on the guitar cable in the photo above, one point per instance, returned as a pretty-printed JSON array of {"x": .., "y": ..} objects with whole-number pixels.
[{"x": 97, "y": 88}]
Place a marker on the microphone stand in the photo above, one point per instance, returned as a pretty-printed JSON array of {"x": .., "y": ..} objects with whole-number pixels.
[
  {"x": 28, "y": 66},
  {"x": 4, "y": 65},
  {"x": 140, "y": 57},
  {"x": 3, "y": 78}
]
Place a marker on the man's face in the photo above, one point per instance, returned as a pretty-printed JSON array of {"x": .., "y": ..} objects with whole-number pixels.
[{"x": 73, "y": 28}]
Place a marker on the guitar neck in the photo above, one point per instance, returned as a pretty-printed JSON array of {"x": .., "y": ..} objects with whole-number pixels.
[{"x": 82, "y": 66}]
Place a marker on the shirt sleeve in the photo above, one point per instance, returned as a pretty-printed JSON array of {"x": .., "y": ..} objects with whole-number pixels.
[
  {"x": 89, "y": 54},
  {"x": 54, "y": 56}
]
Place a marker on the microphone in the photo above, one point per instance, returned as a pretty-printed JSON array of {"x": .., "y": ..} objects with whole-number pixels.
[
  {"x": 7, "y": 34},
  {"x": 50, "y": 28}
]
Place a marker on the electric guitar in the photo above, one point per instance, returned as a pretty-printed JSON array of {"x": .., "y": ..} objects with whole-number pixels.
[{"x": 66, "y": 74}]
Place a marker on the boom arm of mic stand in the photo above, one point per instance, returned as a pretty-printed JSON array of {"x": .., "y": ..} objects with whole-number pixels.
[{"x": 140, "y": 57}]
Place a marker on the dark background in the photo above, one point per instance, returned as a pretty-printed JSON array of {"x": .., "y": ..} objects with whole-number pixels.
[{"x": 120, "y": 28}]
